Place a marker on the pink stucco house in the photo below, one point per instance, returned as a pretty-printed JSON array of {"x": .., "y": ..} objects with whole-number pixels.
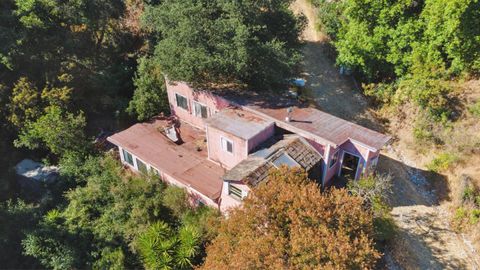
[{"x": 219, "y": 144}]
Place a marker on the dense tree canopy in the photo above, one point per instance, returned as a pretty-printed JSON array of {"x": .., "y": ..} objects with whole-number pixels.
[
  {"x": 150, "y": 96},
  {"x": 287, "y": 223},
  {"x": 412, "y": 48},
  {"x": 116, "y": 220},
  {"x": 398, "y": 36},
  {"x": 253, "y": 42}
]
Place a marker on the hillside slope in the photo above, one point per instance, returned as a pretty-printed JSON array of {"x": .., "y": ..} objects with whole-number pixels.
[{"x": 425, "y": 239}]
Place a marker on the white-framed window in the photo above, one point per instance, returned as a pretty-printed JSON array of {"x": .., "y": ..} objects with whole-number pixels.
[
  {"x": 127, "y": 157},
  {"x": 235, "y": 192},
  {"x": 182, "y": 101},
  {"x": 227, "y": 145},
  {"x": 334, "y": 159},
  {"x": 141, "y": 166},
  {"x": 200, "y": 110}
]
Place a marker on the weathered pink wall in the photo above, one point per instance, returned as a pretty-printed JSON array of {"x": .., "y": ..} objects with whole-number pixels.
[
  {"x": 213, "y": 102},
  {"x": 217, "y": 154},
  {"x": 366, "y": 155},
  {"x": 226, "y": 201},
  {"x": 330, "y": 172},
  {"x": 319, "y": 147},
  {"x": 261, "y": 137}
]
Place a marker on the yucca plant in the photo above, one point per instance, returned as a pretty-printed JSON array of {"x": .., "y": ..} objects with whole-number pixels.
[{"x": 161, "y": 247}]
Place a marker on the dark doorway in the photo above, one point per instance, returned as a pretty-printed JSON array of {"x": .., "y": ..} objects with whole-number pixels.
[{"x": 349, "y": 166}]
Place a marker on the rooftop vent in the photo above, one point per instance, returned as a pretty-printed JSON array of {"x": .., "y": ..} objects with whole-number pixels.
[
  {"x": 172, "y": 134},
  {"x": 289, "y": 114}
]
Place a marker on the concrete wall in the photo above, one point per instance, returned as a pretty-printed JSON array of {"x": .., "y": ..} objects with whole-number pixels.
[
  {"x": 195, "y": 196},
  {"x": 217, "y": 154},
  {"x": 213, "y": 102}
]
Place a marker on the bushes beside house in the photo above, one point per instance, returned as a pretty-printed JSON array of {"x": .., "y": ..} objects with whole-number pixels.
[{"x": 118, "y": 220}]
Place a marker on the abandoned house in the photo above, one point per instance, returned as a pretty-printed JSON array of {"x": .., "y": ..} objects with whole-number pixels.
[{"x": 219, "y": 144}]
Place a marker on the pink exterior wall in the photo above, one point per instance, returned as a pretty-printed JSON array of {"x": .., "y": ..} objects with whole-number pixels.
[
  {"x": 213, "y": 102},
  {"x": 217, "y": 154},
  {"x": 227, "y": 202},
  {"x": 261, "y": 137},
  {"x": 330, "y": 172},
  {"x": 366, "y": 156},
  {"x": 319, "y": 147}
]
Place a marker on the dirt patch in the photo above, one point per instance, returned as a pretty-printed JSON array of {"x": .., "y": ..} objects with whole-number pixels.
[{"x": 333, "y": 93}]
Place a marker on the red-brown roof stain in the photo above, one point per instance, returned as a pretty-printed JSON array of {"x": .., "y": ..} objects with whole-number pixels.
[{"x": 182, "y": 162}]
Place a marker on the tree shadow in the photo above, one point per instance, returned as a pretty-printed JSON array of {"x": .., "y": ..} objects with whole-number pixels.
[
  {"x": 413, "y": 186},
  {"x": 337, "y": 94}
]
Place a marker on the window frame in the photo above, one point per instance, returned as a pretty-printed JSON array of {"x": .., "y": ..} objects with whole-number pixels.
[
  {"x": 127, "y": 160},
  {"x": 177, "y": 104},
  {"x": 334, "y": 159},
  {"x": 225, "y": 149},
  {"x": 139, "y": 161},
  {"x": 234, "y": 194},
  {"x": 194, "y": 103}
]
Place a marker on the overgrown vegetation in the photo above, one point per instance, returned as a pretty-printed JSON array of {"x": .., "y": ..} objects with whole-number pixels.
[
  {"x": 442, "y": 162},
  {"x": 408, "y": 51},
  {"x": 374, "y": 191},
  {"x": 119, "y": 220},
  {"x": 214, "y": 42},
  {"x": 467, "y": 212},
  {"x": 289, "y": 223}
]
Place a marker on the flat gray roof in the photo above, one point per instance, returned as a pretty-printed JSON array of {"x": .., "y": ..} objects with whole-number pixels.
[{"x": 238, "y": 122}]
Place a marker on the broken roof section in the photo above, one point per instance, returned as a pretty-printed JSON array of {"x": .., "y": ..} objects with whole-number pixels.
[
  {"x": 291, "y": 150},
  {"x": 238, "y": 122},
  {"x": 182, "y": 162}
]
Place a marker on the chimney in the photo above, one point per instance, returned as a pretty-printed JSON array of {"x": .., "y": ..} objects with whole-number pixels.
[{"x": 289, "y": 114}]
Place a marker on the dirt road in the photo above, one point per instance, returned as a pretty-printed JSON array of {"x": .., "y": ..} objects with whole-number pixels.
[{"x": 424, "y": 240}]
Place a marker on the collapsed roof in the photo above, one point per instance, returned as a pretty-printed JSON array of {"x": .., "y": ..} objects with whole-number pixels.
[{"x": 291, "y": 150}]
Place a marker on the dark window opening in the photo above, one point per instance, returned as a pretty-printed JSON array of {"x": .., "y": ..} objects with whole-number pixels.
[
  {"x": 333, "y": 160},
  {"x": 182, "y": 101},
  {"x": 235, "y": 192},
  {"x": 141, "y": 166},
  {"x": 200, "y": 110}
]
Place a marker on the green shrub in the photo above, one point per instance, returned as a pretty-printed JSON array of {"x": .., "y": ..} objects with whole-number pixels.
[
  {"x": 475, "y": 108},
  {"x": 460, "y": 213},
  {"x": 468, "y": 193},
  {"x": 474, "y": 216},
  {"x": 176, "y": 199},
  {"x": 382, "y": 92},
  {"x": 426, "y": 130},
  {"x": 442, "y": 162},
  {"x": 385, "y": 228}
]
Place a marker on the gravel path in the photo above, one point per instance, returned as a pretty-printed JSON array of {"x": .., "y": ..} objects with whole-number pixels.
[{"x": 424, "y": 240}]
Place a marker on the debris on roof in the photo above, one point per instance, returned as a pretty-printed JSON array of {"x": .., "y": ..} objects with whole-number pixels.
[
  {"x": 292, "y": 150},
  {"x": 181, "y": 161}
]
